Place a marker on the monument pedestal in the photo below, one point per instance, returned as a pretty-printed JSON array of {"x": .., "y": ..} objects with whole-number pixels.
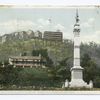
[
  {"x": 77, "y": 83},
  {"x": 77, "y": 77}
]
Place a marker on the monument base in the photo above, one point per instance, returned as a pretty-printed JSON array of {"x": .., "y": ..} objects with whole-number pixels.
[
  {"x": 78, "y": 83},
  {"x": 77, "y": 79}
]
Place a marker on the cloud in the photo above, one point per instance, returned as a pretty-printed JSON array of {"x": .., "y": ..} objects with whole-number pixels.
[
  {"x": 68, "y": 35},
  {"x": 15, "y": 25},
  {"x": 46, "y": 24},
  {"x": 40, "y": 27},
  {"x": 91, "y": 20},
  {"x": 43, "y": 22},
  {"x": 19, "y": 25},
  {"x": 59, "y": 27},
  {"x": 88, "y": 24},
  {"x": 93, "y": 37}
]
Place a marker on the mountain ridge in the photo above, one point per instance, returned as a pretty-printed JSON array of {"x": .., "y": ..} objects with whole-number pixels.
[{"x": 57, "y": 51}]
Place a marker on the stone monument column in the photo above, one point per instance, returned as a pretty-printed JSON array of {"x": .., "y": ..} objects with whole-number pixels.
[{"x": 77, "y": 70}]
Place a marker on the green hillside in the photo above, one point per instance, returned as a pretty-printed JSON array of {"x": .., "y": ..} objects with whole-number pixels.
[
  {"x": 61, "y": 53},
  {"x": 57, "y": 51}
]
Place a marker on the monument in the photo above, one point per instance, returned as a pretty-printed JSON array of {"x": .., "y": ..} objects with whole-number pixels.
[{"x": 77, "y": 70}]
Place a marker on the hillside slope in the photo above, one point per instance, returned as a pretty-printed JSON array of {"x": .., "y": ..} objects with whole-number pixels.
[{"x": 56, "y": 51}]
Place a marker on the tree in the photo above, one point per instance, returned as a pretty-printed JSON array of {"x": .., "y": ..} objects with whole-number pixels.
[
  {"x": 24, "y": 54},
  {"x": 90, "y": 68},
  {"x": 9, "y": 75},
  {"x": 97, "y": 82},
  {"x": 60, "y": 72},
  {"x": 65, "y": 69},
  {"x": 44, "y": 54}
]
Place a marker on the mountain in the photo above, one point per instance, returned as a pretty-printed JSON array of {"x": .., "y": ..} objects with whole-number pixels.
[
  {"x": 25, "y": 41},
  {"x": 21, "y": 35}
]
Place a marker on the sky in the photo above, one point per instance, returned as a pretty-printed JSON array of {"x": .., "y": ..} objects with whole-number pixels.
[
  {"x": 51, "y": 2},
  {"x": 52, "y": 19}
]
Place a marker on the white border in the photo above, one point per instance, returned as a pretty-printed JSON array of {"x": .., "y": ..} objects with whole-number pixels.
[
  {"x": 30, "y": 3},
  {"x": 31, "y": 92},
  {"x": 50, "y": 2}
]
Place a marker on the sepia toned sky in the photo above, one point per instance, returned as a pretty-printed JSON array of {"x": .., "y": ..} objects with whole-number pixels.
[{"x": 24, "y": 18}]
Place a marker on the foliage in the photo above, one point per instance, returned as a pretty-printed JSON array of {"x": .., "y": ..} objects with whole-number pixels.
[
  {"x": 90, "y": 68},
  {"x": 52, "y": 76},
  {"x": 9, "y": 75},
  {"x": 97, "y": 82},
  {"x": 44, "y": 54}
]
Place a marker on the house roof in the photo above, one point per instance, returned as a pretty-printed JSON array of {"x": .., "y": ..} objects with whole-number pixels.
[{"x": 25, "y": 57}]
